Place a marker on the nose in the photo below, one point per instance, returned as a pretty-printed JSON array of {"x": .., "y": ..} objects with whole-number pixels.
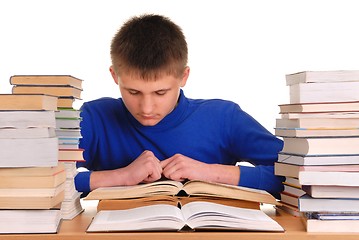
[{"x": 147, "y": 105}]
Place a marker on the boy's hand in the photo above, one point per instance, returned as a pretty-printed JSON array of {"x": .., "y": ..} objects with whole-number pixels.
[
  {"x": 146, "y": 168},
  {"x": 179, "y": 168}
]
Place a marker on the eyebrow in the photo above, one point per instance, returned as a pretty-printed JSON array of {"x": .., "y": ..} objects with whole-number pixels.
[{"x": 158, "y": 90}]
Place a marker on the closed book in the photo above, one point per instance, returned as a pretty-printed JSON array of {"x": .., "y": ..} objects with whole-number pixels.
[
  {"x": 321, "y": 146},
  {"x": 31, "y": 181},
  {"x": 65, "y": 102},
  {"x": 67, "y": 113},
  {"x": 31, "y": 202},
  {"x": 324, "y": 92},
  {"x": 27, "y": 119},
  {"x": 29, "y": 221},
  {"x": 32, "y": 192},
  {"x": 295, "y": 191},
  {"x": 322, "y": 76},
  {"x": 46, "y": 80},
  {"x": 310, "y": 204},
  {"x": 29, "y": 152},
  {"x": 340, "y": 175},
  {"x": 317, "y": 107},
  {"x": 323, "y": 115},
  {"x": 331, "y": 191},
  {"x": 32, "y": 132},
  {"x": 59, "y": 91},
  {"x": 316, "y": 132},
  {"x": 331, "y": 226},
  {"x": 323, "y": 123},
  {"x": 318, "y": 159},
  {"x": 71, "y": 154},
  {"x": 68, "y": 123},
  {"x": 32, "y": 171},
  {"x": 289, "y": 199},
  {"x": 13, "y": 102}
]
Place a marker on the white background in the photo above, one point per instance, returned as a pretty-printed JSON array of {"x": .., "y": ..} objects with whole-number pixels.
[{"x": 238, "y": 50}]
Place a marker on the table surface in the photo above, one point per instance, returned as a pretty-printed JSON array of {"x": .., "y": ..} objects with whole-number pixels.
[{"x": 76, "y": 229}]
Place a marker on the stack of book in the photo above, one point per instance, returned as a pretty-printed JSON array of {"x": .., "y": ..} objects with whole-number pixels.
[
  {"x": 32, "y": 181},
  {"x": 67, "y": 89},
  {"x": 320, "y": 130}
]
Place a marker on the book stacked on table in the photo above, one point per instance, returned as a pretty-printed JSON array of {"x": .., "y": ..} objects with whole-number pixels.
[
  {"x": 320, "y": 130},
  {"x": 67, "y": 89},
  {"x": 32, "y": 181}
]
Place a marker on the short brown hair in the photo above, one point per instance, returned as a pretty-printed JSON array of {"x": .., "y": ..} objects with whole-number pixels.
[{"x": 149, "y": 45}]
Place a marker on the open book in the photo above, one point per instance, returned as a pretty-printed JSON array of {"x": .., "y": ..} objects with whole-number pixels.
[
  {"x": 193, "y": 216},
  {"x": 194, "y": 188}
]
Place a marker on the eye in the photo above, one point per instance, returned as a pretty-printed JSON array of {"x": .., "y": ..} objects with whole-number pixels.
[
  {"x": 161, "y": 92},
  {"x": 133, "y": 92}
]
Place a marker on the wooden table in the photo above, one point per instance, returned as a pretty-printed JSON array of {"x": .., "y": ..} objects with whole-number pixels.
[{"x": 76, "y": 230}]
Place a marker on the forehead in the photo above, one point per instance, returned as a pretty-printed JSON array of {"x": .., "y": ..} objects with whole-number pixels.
[{"x": 135, "y": 81}]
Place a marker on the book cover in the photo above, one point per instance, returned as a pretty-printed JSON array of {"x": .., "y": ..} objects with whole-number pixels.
[
  {"x": 46, "y": 80},
  {"x": 13, "y": 102}
]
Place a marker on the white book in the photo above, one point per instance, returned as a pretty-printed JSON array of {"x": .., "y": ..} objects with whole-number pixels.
[
  {"x": 322, "y": 191},
  {"x": 29, "y": 221},
  {"x": 195, "y": 215},
  {"x": 67, "y": 113},
  {"x": 310, "y": 204},
  {"x": 29, "y": 152},
  {"x": 27, "y": 119},
  {"x": 33, "y": 132},
  {"x": 321, "y": 146},
  {"x": 68, "y": 123},
  {"x": 331, "y": 226},
  {"x": 314, "y": 160},
  {"x": 324, "y": 92},
  {"x": 322, "y": 76}
]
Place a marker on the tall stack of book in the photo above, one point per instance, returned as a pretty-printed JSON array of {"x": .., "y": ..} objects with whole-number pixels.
[
  {"x": 67, "y": 89},
  {"x": 32, "y": 180},
  {"x": 320, "y": 129}
]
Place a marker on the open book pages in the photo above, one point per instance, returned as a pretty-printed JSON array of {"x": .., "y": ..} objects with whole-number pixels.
[
  {"x": 190, "y": 188},
  {"x": 194, "y": 215}
]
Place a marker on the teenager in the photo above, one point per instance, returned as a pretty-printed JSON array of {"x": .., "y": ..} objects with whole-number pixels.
[{"x": 154, "y": 131}]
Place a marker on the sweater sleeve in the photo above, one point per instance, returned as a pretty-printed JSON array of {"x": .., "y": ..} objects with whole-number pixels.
[
  {"x": 252, "y": 143},
  {"x": 82, "y": 179}
]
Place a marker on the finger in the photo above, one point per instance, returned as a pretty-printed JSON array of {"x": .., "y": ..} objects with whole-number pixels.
[{"x": 164, "y": 163}]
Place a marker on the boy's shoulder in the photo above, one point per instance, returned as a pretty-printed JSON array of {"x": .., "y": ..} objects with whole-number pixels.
[
  {"x": 103, "y": 103},
  {"x": 214, "y": 103}
]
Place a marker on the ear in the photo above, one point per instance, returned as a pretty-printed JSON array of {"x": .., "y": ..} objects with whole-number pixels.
[
  {"x": 114, "y": 75},
  {"x": 185, "y": 76}
]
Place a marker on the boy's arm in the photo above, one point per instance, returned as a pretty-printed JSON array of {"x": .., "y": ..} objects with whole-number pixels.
[
  {"x": 180, "y": 168},
  {"x": 146, "y": 168}
]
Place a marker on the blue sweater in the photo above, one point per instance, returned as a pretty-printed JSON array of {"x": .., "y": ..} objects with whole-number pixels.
[{"x": 211, "y": 131}]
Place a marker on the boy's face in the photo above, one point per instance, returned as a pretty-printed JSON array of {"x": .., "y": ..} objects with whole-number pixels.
[{"x": 149, "y": 101}]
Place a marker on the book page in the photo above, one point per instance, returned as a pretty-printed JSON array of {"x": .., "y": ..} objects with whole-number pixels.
[
  {"x": 205, "y": 215},
  {"x": 201, "y": 188},
  {"x": 141, "y": 190},
  {"x": 160, "y": 217}
]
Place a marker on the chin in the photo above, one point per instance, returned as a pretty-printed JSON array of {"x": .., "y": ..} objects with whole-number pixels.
[{"x": 149, "y": 123}]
